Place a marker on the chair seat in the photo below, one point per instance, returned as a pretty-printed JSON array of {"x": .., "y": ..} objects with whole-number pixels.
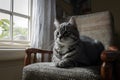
[{"x": 46, "y": 71}]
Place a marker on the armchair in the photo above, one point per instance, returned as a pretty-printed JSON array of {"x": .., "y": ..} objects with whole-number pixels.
[{"x": 96, "y": 25}]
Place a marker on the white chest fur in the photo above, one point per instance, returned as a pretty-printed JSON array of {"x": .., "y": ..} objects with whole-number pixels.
[{"x": 61, "y": 48}]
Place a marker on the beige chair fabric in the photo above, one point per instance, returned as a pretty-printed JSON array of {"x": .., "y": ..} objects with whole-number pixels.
[{"x": 97, "y": 26}]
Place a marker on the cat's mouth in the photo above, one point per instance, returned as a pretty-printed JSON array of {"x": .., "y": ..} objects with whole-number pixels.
[{"x": 59, "y": 40}]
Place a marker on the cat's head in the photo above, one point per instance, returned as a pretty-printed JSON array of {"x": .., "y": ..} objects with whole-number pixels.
[{"x": 66, "y": 32}]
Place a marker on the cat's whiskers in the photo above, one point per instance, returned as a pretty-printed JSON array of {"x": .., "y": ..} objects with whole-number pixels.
[{"x": 50, "y": 45}]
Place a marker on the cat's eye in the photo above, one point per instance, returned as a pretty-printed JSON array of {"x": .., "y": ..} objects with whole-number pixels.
[
  {"x": 57, "y": 33},
  {"x": 67, "y": 32}
]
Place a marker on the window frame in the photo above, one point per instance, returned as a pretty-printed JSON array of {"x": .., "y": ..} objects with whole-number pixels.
[{"x": 11, "y": 13}]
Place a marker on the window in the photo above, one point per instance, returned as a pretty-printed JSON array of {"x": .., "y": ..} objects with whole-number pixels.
[{"x": 15, "y": 22}]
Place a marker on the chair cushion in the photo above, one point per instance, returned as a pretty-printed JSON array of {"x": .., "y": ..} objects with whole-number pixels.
[{"x": 47, "y": 71}]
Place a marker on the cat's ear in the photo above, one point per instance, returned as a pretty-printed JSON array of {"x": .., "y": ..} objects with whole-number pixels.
[
  {"x": 72, "y": 21},
  {"x": 56, "y": 23}
]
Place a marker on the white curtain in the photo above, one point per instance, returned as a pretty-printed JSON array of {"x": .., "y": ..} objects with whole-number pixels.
[{"x": 43, "y": 15}]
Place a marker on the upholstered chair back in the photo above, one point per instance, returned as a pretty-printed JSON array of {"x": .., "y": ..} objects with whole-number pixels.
[{"x": 97, "y": 26}]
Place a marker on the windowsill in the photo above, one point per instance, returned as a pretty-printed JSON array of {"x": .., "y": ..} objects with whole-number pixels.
[{"x": 11, "y": 54}]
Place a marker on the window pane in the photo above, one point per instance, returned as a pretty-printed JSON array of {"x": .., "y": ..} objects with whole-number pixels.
[
  {"x": 21, "y": 6},
  {"x": 20, "y": 28},
  {"x": 4, "y": 26},
  {"x": 5, "y": 4}
]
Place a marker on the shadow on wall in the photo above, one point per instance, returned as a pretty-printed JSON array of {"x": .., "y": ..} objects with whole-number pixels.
[{"x": 11, "y": 70}]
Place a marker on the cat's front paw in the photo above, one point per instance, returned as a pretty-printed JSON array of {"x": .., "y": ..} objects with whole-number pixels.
[
  {"x": 64, "y": 64},
  {"x": 60, "y": 64}
]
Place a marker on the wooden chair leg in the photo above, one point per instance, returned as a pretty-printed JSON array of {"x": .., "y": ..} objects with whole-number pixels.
[{"x": 106, "y": 71}]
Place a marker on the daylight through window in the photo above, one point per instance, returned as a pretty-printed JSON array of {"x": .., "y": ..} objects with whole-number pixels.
[{"x": 15, "y": 18}]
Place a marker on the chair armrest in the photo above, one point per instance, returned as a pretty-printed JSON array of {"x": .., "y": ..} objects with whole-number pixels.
[
  {"x": 29, "y": 59},
  {"x": 35, "y": 50},
  {"x": 109, "y": 58}
]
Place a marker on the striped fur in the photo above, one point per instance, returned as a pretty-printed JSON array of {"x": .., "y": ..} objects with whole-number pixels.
[{"x": 71, "y": 49}]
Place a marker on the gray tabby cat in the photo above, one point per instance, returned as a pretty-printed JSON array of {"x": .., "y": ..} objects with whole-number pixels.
[{"x": 72, "y": 50}]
